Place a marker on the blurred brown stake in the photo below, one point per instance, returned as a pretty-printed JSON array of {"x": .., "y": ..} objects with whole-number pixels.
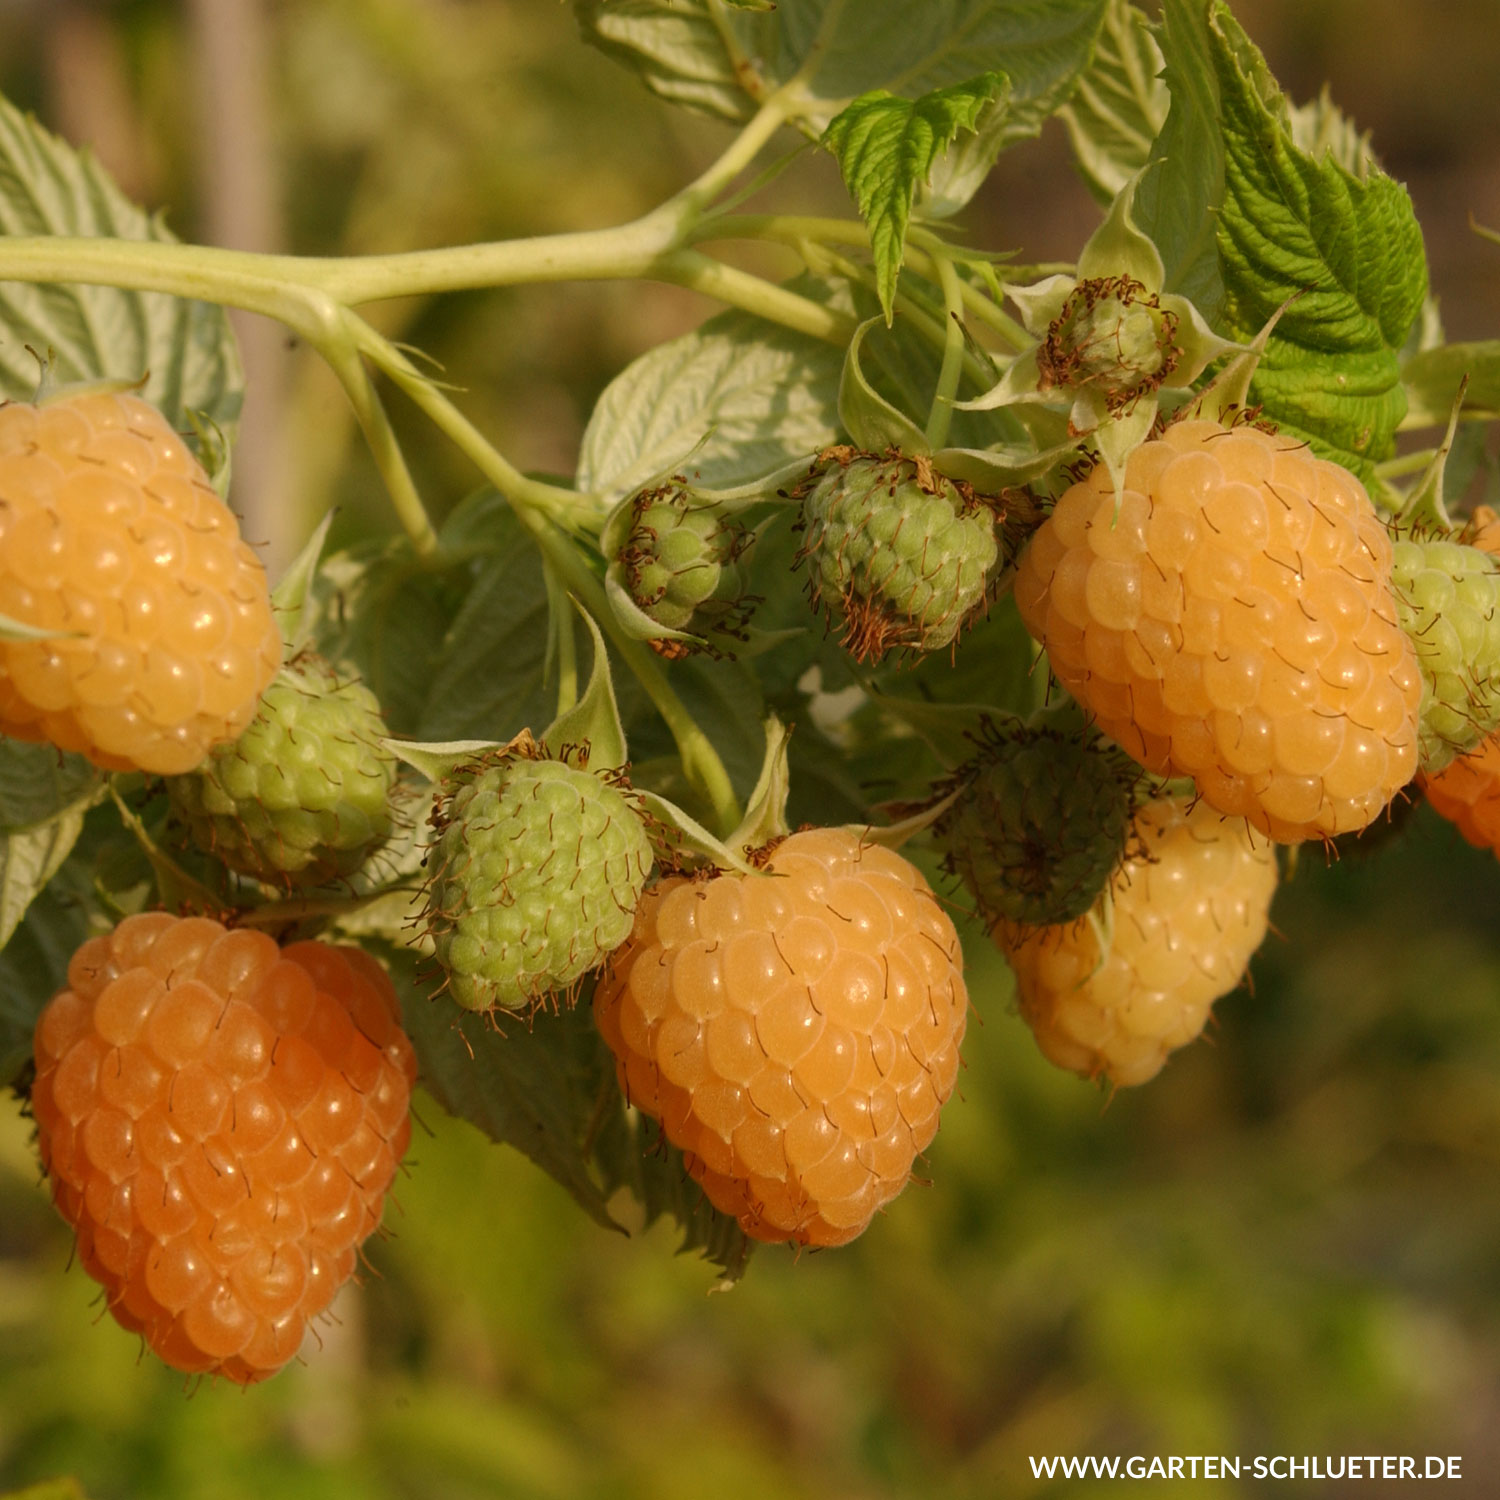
[
  {"x": 239, "y": 191},
  {"x": 92, "y": 103}
]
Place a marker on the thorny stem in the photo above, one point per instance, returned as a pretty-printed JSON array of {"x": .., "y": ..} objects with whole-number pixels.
[
  {"x": 567, "y": 506},
  {"x": 299, "y": 908},
  {"x": 344, "y": 359},
  {"x": 700, "y": 761},
  {"x": 923, "y": 251},
  {"x": 562, "y": 638},
  {"x": 174, "y": 883},
  {"x": 1406, "y": 463},
  {"x": 930, "y": 327}
]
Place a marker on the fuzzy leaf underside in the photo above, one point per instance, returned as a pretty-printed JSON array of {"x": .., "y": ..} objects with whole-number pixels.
[
  {"x": 185, "y": 349},
  {"x": 1120, "y": 104},
  {"x": 684, "y": 53},
  {"x": 886, "y": 148},
  {"x": 1346, "y": 247},
  {"x": 729, "y": 401}
]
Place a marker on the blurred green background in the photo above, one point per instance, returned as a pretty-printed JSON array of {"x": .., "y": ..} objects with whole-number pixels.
[{"x": 1288, "y": 1243}]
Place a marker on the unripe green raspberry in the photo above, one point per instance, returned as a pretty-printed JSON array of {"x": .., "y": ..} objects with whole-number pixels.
[
  {"x": 900, "y": 556},
  {"x": 1041, "y": 820},
  {"x": 304, "y": 795},
  {"x": 680, "y": 563},
  {"x": 537, "y": 869},
  {"x": 1448, "y": 602},
  {"x": 1111, "y": 334}
]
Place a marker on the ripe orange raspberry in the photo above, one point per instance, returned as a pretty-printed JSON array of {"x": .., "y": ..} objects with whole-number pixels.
[
  {"x": 795, "y": 1034},
  {"x": 1467, "y": 793},
  {"x": 1183, "y": 915},
  {"x": 1234, "y": 622},
  {"x": 111, "y": 534},
  {"x": 220, "y": 1120}
]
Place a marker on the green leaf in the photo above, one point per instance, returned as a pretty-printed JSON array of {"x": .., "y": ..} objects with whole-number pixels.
[
  {"x": 547, "y": 1087},
  {"x": 886, "y": 148},
  {"x": 725, "y": 64},
  {"x": 1120, "y": 104},
  {"x": 1347, "y": 246},
  {"x": 1178, "y": 199},
  {"x": 1432, "y": 379},
  {"x": 960, "y": 171},
  {"x": 44, "y": 797},
  {"x": 740, "y": 395},
  {"x": 29, "y": 859},
  {"x": 869, "y": 418},
  {"x": 632, "y": 1154},
  {"x": 533, "y": 1085},
  {"x": 185, "y": 349},
  {"x": 454, "y": 649},
  {"x": 38, "y": 782},
  {"x": 1322, "y": 128},
  {"x": 34, "y": 962},
  {"x": 677, "y": 48}
]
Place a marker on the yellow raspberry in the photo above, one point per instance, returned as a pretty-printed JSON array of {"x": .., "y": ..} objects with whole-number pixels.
[
  {"x": 111, "y": 535},
  {"x": 795, "y": 1034},
  {"x": 1234, "y": 622},
  {"x": 1182, "y": 917}
]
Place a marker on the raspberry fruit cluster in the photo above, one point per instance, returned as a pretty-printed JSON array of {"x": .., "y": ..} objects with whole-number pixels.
[
  {"x": 1232, "y": 619},
  {"x": 795, "y": 1033},
  {"x": 899, "y": 556},
  {"x": 158, "y": 636},
  {"x": 683, "y": 565},
  {"x": 1448, "y": 595},
  {"x": 537, "y": 868},
  {"x": 1040, "y": 820},
  {"x": 1112, "y": 996},
  {"x": 220, "y": 1120},
  {"x": 303, "y": 796}
]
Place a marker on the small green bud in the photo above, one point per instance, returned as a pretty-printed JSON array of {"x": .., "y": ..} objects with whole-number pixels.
[
  {"x": 681, "y": 563},
  {"x": 1114, "y": 335}
]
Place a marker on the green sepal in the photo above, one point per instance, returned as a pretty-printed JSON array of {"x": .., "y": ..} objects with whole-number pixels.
[
  {"x": 439, "y": 762},
  {"x": 1117, "y": 249},
  {"x": 868, "y": 418},
  {"x": 990, "y": 470},
  {"x": 689, "y": 833},
  {"x": 633, "y": 620},
  {"x": 292, "y": 600},
  {"x": 20, "y": 631},
  {"x": 765, "y": 813},
  {"x": 903, "y": 830},
  {"x": 594, "y": 720},
  {"x": 1424, "y": 506}
]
